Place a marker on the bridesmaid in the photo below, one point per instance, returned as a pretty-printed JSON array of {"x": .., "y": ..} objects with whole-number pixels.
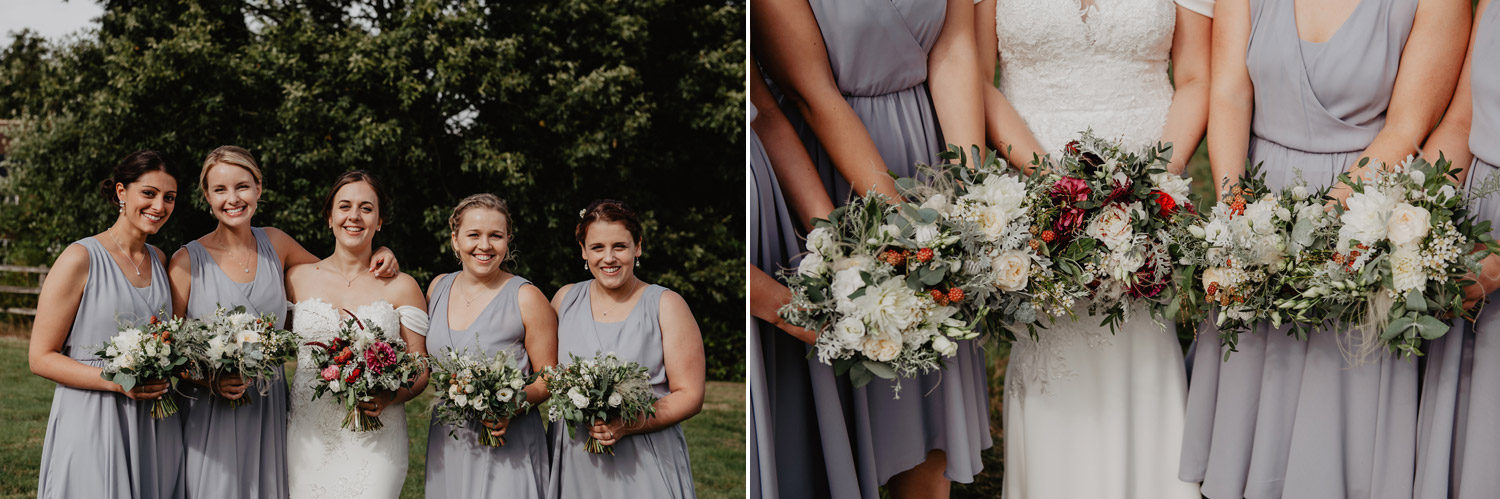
[
  {"x": 1331, "y": 83},
  {"x": 101, "y": 440},
  {"x": 643, "y": 323},
  {"x": 1461, "y": 381},
  {"x": 237, "y": 451},
  {"x": 799, "y": 444},
  {"x": 499, "y": 311},
  {"x": 869, "y": 84}
]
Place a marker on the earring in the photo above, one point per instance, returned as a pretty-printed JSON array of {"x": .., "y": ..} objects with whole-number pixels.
[
  {"x": 639, "y": 262},
  {"x": 585, "y": 265},
  {"x": 122, "y": 206}
]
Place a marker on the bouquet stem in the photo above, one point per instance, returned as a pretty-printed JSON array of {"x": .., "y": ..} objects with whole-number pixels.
[
  {"x": 244, "y": 400},
  {"x": 359, "y": 421},
  {"x": 164, "y": 406},
  {"x": 594, "y": 447},
  {"x": 488, "y": 440}
]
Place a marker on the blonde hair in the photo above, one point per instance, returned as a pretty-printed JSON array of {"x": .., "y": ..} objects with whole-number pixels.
[
  {"x": 489, "y": 202},
  {"x": 229, "y": 155}
]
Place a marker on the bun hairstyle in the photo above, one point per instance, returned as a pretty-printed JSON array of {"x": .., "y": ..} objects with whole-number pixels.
[
  {"x": 608, "y": 210},
  {"x": 350, "y": 177},
  {"x": 229, "y": 155},
  {"x": 485, "y": 201},
  {"x": 130, "y": 169}
]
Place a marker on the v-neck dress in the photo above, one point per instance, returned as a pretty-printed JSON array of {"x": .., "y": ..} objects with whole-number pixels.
[
  {"x": 458, "y": 466},
  {"x": 237, "y": 451},
  {"x": 1284, "y": 417},
  {"x": 104, "y": 444}
]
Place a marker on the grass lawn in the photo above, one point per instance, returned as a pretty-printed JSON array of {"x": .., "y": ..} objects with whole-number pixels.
[{"x": 716, "y": 437}]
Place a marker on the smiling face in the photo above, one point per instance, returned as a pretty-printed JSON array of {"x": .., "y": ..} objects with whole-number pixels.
[
  {"x": 355, "y": 215},
  {"x": 482, "y": 241},
  {"x": 232, "y": 194},
  {"x": 148, "y": 201},
  {"x": 610, "y": 253}
]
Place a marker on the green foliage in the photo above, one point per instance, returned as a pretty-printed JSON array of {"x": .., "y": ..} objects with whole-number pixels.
[{"x": 549, "y": 105}]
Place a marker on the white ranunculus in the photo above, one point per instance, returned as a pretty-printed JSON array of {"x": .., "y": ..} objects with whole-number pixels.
[
  {"x": 944, "y": 346},
  {"x": 579, "y": 400},
  {"x": 844, "y": 283},
  {"x": 1406, "y": 269},
  {"x": 812, "y": 265},
  {"x": 615, "y": 399},
  {"x": 504, "y": 394},
  {"x": 882, "y": 347},
  {"x": 820, "y": 241},
  {"x": 1365, "y": 221},
  {"x": 849, "y": 332},
  {"x": 1012, "y": 269},
  {"x": 1408, "y": 224},
  {"x": 1174, "y": 185},
  {"x": 1112, "y": 226}
]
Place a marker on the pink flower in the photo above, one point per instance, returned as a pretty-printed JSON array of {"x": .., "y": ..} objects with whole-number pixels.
[
  {"x": 379, "y": 356},
  {"x": 330, "y": 373},
  {"x": 1071, "y": 190},
  {"x": 1068, "y": 222}
]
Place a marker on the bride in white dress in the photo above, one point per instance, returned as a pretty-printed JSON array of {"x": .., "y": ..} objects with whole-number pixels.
[
  {"x": 323, "y": 459},
  {"x": 1089, "y": 413}
]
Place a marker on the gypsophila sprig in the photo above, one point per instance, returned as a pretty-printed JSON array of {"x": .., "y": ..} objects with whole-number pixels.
[
  {"x": 235, "y": 341},
  {"x": 360, "y": 360},
  {"x": 471, "y": 389},
  {"x": 151, "y": 352},
  {"x": 601, "y": 388}
]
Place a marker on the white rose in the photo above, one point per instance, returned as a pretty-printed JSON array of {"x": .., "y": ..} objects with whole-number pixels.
[
  {"x": 1366, "y": 219},
  {"x": 516, "y": 384},
  {"x": 1012, "y": 269},
  {"x": 1299, "y": 192},
  {"x": 615, "y": 399},
  {"x": 944, "y": 346},
  {"x": 849, "y": 332},
  {"x": 335, "y": 386},
  {"x": 881, "y": 348},
  {"x": 820, "y": 241},
  {"x": 812, "y": 265},
  {"x": 993, "y": 220},
  {"x": 504, "y": 394},
  {"x": 1406, "y": 270},
  {"x": 1408, "y": 224},
  {"x": 461, "y": 400},
  {"x": 1111, "y": 226},
  {"x": 579, "y": 400}
]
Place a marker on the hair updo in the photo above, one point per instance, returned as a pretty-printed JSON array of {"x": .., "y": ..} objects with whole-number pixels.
[
  {"x": 608, "y": 210},
  {"x": 130, "y": 170},
  {"x": 229, "y": 155},
  {"x": 485, "y": 201}
]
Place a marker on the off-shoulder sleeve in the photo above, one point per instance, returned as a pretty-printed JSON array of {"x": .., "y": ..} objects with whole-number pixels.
[
  {"x": 1205, "y": 7},
  {"x": 413, "y": 318}
]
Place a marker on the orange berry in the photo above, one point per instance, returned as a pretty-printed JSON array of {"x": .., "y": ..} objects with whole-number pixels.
[{"x": 955, "y": 295}]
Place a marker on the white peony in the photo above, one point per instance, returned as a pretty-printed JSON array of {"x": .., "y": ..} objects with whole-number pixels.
[
  {"x": 579, "y": 400},
  {"x": 1112, "y": 226},
  {"x": 849, "y": 332},
  {"x": 812, "y": 265},
  {"x": 845, "y": 282},
  {"x": 615, "y": 399},
  {"x": 889, "y": 306},
  {"x": 882, "y": 347},
  {"x": 944, "y": 346},
  {"x": 820, "y": 241},
  {"x": 1406, "y": 270},
  {"x": 1408, "y": 224},
  {"x": 1365, "y": 221},
  {"x": 1012, "y": 268}
]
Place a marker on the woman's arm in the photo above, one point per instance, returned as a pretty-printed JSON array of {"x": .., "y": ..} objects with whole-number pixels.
[
  {"x": 1451, "y": 138},
  {"x": 180, "y": 273},
  {"x": 1428, "y": 71},
  {"x": 794, "y": 170},
  {"x": 1231, "y": 94},
  {"x": 953, "y": 78},
  {"x": 1004, "y": 128},
  {"x": 541, "y": 339},
  {"x": 1188, "y": 114},
  {"x": 407, "y": 293},
  {"x": 785, "y": 36},
  {"x": 767, "y": 295},
  {"x": 682, "y": 356}
]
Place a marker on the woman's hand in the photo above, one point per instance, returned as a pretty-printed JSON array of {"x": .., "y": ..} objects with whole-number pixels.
[
  {"x": 383, "y": 263},
  {"x": 497, "y": 426},
  {"x": 376, "y": 403},
  {"x": 150, "y": 390},
  {"x": 609, "y": 433},
  {"x": 229, "y": 386}
]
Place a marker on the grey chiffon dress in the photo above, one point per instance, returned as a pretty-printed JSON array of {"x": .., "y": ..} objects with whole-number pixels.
[
  {"x": 1284, "y": 417},
  {"x": 458, "y": 466},
  {"x": 644, "y": 465},
  {"x": 1461, "y": 381},
  {"x": 104, "y": 444},
  {"x": 236, "y": 451},
  {"x": 878, "y": 51},
  {"x": 799, "y": 444}
]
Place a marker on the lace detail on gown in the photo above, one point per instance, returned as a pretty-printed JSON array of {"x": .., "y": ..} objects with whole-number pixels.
[{"x": 323, "y": 459}]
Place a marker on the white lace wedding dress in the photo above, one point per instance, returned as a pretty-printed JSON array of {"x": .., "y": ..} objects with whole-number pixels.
[
  {"x": 323, "y": 459},
  {"x": 1089, "y": 413}
]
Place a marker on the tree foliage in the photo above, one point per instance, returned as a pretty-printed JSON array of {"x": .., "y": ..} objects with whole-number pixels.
[{"x": 548, "y": 104}]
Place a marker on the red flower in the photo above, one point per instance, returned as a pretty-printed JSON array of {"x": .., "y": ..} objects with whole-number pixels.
[
  {"x": 924, "y": 255},
  {"x": 955, "y": 295},
  {"x": 1167, "y": 204},
  {"x": 353, "y": 375},
  {"x": 1069, "y": 221},
  {"x": 343, "y": 356},
  {"x": 1070, "y": 190}
]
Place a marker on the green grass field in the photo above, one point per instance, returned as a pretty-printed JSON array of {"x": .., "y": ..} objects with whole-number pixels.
[{"x": 716, "y": 436}]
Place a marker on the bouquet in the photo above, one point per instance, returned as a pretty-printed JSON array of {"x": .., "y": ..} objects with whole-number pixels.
[
  {"x": 474, "y": 389},
  {"x": 1104, "y": 218},
  {"x": 1402, "y": 256},
  {"x": 360, "y": 360},
  {"x": 603, "y": 388},
  {"x": 139, "y": 354},
  {"x": 882, "y": 285},
  {"x": 235, "y": 341},
  {"x": 1247, "y": 251}
]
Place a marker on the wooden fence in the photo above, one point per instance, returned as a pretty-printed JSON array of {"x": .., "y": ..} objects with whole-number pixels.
[{"x": 41, "y": 273}]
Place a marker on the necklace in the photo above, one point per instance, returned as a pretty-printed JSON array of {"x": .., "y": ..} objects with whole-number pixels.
[
  {"x": 242, "y": 261},
  {"x": 348, "y": 281},
  {"x": 123, "y": 252},
  {"x": 616, "y": 305}
]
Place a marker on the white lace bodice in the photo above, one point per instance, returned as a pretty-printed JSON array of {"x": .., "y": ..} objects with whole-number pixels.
[
  {"x": 323, "y": 459},
  {"x": 1066, "y": 69}
]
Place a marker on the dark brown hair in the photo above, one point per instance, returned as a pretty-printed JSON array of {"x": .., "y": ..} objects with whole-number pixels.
[
  {"x": 350, "y": 177},
  {"x": 608, "y": 210},
  {"x": 130, "y": 169}
]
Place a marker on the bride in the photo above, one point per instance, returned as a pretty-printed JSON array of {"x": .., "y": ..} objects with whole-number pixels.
[
  {"x": 323, "y": 459},
  {"x": 1089, "y": 413}
]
